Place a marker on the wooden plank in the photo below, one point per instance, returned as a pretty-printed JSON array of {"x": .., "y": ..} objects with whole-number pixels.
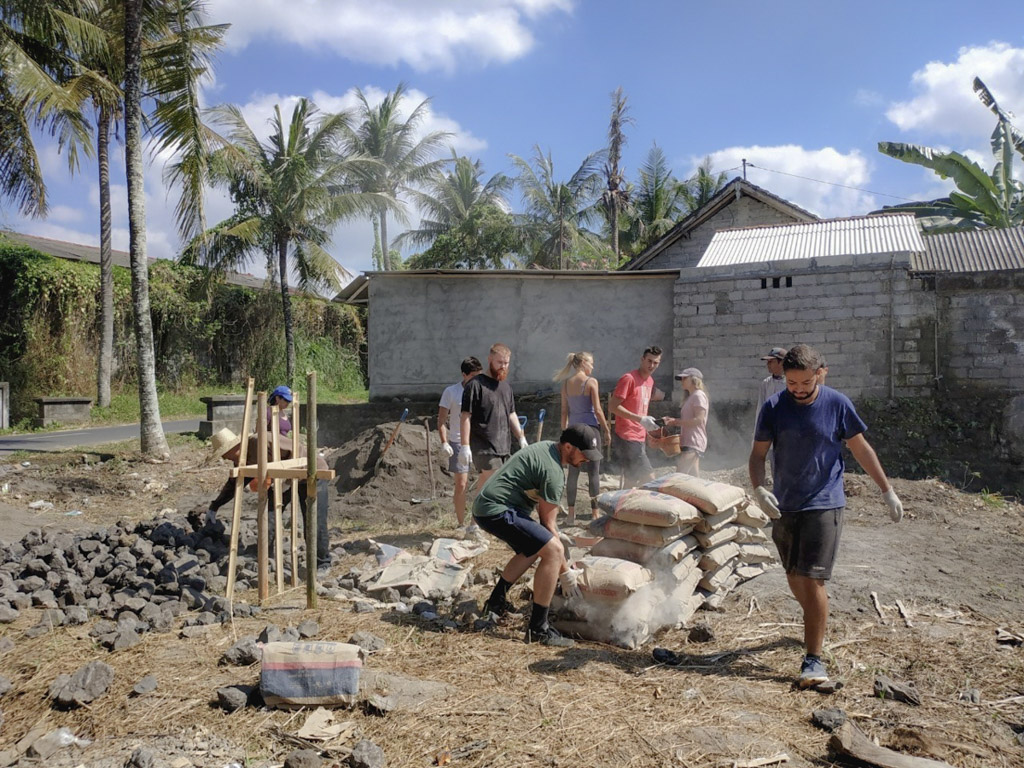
[
  {"x": 311, "y": 478},
  {"x": 262, "y": 555},
  {"x": 295, "y": 493},
  {"x": 236, "y": 508},
  {"x": 275, "y": 434},
  {"x": 285, "y": 473},
  {"x": 850, "y": 740}
]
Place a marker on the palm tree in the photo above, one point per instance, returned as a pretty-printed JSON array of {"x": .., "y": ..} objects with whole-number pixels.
[
  {"x": 558, "y": 212},
  {"x": 42, "y": 85},
  {"x": 454, "y": 196},
  {"x": 153, "y": 442},
  {"x": 702, "y": 186},
  {"x": 658, "y": 201},
  {"x": 404, "y": 159},
  {"x": 983, "y": 199},
  {"x": 615, "y": 197},
  {"x": 289, "y": 193}
]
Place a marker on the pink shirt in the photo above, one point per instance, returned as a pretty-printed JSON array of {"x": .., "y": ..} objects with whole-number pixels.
[
  {"x": 694, "y": 437},
  {"x": 635, "y": 394}
]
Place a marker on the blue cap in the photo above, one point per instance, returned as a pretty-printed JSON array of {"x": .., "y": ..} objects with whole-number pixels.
[{"x": 283, "y": 392}]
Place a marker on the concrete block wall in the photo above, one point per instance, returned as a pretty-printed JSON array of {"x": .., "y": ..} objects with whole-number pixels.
[
  {"x": 745, "y": 212},
  {"x": 981, "y": 317},
  {"x": 420, "y": 327}
]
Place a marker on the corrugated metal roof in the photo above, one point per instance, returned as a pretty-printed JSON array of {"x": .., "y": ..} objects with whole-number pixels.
[
  {"x": 855, "y": 236},
  {"x": 981, "y": 250}
]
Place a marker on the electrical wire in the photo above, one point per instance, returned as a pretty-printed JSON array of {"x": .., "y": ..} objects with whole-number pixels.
[{"x": 831, "y": 183}]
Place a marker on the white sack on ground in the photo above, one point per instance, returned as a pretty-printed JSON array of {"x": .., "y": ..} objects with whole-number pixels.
[
  {"x": 648, "y": 535},
  {"x": 713, "y": 539},
  {"x": 611, "y": 578},
  {"x": 708, "y": 496},
  {"x": 715, "y": 522},
  {"x": 716, "y": 557},
  {"x": 634, "y": 505}
]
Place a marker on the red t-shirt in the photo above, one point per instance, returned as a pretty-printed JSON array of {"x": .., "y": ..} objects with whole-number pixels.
[{"x": 635, "y": 394}]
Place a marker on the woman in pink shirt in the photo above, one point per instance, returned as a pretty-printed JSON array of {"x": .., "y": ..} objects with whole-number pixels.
[{"x": 692, "y": 421}]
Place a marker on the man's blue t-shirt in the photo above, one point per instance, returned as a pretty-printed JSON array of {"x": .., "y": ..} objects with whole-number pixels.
[{"x": 808, "y": 440}]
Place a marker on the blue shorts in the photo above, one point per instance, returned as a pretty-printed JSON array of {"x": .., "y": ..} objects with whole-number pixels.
[
  {"x": 453, "y": 463},
  {"x": 517, "y": 529}
]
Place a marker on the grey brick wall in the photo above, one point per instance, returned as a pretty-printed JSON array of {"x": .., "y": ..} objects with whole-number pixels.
[{"x": 745, "y": 212}]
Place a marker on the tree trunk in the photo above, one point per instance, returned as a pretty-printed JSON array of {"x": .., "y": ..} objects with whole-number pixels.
[
  {"x": 286, "y": 305},
  {"x": 106, "y": 356},
  {"x": 153, "y": 442},
  {"x": 615, "y": 228},
  {"x": 384, "y": 239}
]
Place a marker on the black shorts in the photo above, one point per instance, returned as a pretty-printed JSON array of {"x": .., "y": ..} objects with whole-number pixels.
[
  {"x": 488, "y": 462},
  {"x": 517, "y": 529},
  {"x": 808, "y": 541},
  {"x": 632, "y": 458}
]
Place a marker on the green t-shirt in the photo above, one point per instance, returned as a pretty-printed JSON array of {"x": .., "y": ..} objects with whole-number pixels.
[{"x": 534, "y": 473}]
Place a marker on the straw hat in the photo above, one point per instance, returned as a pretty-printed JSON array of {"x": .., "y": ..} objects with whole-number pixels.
[{"x": 224, "y": 441}]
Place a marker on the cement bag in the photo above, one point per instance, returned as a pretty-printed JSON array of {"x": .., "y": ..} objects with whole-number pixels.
[
  {"x": 722, "y": 535},
  {"x": 746, "y": 571},
  {"x": 747, "y": 535},
  {"x": 751, "y": 515},
  {"x": 634, "y": 505},
  {"x": 679, "y": 548},
  {"x": 755, "y": 553},
  {"x": 713, "y": 600},
  {"x": 716, "y": 557},
  {"x": 712, "y": 581},
  {"x": 711, "y": 523},
  {"x": 648, "y": 535},
  {"x": 624, "y": 550},
  {"x": 687, "y": 567},
  {"x": 708, "y": 496},
  {"x": 611, "y": 578},
  {"x": 310, "y": 674}
]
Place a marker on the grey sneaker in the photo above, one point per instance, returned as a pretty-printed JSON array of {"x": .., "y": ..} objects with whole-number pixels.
[
  {"x": 547, "y": 636},
  {"x": 812, "y": 673}
]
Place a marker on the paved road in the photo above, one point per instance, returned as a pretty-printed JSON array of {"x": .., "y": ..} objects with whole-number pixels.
[{"x": 59, "y": 441}]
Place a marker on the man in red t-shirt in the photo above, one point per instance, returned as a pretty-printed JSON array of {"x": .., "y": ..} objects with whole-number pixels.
[{"x": 628, "y": 403}]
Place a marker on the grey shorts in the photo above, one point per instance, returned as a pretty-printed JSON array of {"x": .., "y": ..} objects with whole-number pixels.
[
  {"x": 632, "y": 458},
  {"x": 808, "y": 541},
  {"x": 488, "y": 462},
  {"x": 453, "y": 463}
]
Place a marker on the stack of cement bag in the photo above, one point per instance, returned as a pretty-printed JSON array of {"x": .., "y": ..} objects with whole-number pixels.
[{"x": 669, "y": 547}]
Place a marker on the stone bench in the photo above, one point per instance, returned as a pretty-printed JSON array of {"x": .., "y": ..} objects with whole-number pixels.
[
  {"x": 62, "y": 410},
  {"x": 224, "y": 411}
]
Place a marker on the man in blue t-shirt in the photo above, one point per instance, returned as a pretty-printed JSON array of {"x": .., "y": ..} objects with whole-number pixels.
[{"x": 806, "y": 424}]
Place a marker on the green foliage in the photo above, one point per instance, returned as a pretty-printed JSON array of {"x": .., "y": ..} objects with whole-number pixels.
[
  {"x": 486, "y": 239},
  {"x": 207, "y": 335}
]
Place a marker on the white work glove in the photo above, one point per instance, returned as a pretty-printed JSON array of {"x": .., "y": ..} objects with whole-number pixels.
[
  {"x": 570, "y": 582},
  {"x": 465, "y": 456},
  {"x": 648, "y": 423},
  {"x": 767, "y": 502},
  {"x": 566, "y": 541},
  {"x": 895, "y": 505},
  {"x": 447, "y": 450},
  {"x": 522, "y": 441},
  {"x": 211, "y": 517}
]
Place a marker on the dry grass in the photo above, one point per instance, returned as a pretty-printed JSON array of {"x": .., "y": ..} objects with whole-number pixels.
[{"x": 519, "y": 705}]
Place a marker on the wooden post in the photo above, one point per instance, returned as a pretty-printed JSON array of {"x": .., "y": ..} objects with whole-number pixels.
[
  {"x": 278, "y": 487},
  {"x": 236, "y": 509},
  {"x": 296, "y": 501},
  {"x": 430, "y": 459},
  {"x": 261, "y": 507},
  {"x": 311, "y": 510}
]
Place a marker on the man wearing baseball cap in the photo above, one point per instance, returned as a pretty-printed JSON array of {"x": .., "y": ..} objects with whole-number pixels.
[
  {"x": 774, "y": 382},
  {"x": 533, "y": 477}
]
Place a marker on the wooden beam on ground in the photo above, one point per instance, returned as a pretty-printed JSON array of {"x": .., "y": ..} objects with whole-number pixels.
[
  {"x": 262, "y": 555},
  {"x": 849, "y": 740},
  {"x": 296, "y": 501},
  {"x": 236, "y": 508},
  {"x": 311, "y": 478}
]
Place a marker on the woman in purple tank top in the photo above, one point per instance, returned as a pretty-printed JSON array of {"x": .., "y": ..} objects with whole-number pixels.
[{"x": 581, "y": 404}]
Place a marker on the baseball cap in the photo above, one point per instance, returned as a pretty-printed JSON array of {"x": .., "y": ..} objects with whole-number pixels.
[
  {"x": 694, "y": 372},
  {"x": 584, "y": 437},
  {"x": 283, "y": 392},
  {"x": 777, "y": 353}
]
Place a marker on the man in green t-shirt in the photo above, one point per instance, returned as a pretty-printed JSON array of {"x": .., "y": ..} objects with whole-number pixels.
[{"x": 533, "y": 477}]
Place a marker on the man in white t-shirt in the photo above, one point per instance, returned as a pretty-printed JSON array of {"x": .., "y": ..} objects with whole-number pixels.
[{"x": 448, "y": 417}]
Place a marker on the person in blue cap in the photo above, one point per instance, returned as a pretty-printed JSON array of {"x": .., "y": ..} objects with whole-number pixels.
[{"x": 281, "y": 398}]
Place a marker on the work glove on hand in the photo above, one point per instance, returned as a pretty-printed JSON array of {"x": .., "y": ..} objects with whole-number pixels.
[
  {"x": 211, "y": 517},
  {"x": 767, "y": 502},
  {"x": 465, "y": 456},
  {"x": 895, "y": 505},
  {"x": 570, "y": 583},
  {"x": 566, "y": 541},
  {"x": 522, "y": 441},
  {"x": 648, "y": 423},
  {"x": 447, "y": 450}
]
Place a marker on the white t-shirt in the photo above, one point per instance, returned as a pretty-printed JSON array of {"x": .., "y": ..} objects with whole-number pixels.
[{"x": 451, "y": 399}]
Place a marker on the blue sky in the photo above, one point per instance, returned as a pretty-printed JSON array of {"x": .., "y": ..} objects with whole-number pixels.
[{"x": 802, "y": 88}]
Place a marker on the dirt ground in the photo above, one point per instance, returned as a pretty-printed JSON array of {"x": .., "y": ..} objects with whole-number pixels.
[{"x": 954, "y": 564}]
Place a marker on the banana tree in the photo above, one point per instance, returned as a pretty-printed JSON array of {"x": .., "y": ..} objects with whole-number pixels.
[{"x": 982, "y": 199}]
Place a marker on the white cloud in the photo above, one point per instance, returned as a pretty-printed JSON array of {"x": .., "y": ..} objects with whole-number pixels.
[
  {"x": 66, "y": 214},
  {"x": 777, "y": 169},
  {"x": 946, "y": 105},
  {"x": 865, "y": 97},
  {"x": 426, "y": 35}
]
